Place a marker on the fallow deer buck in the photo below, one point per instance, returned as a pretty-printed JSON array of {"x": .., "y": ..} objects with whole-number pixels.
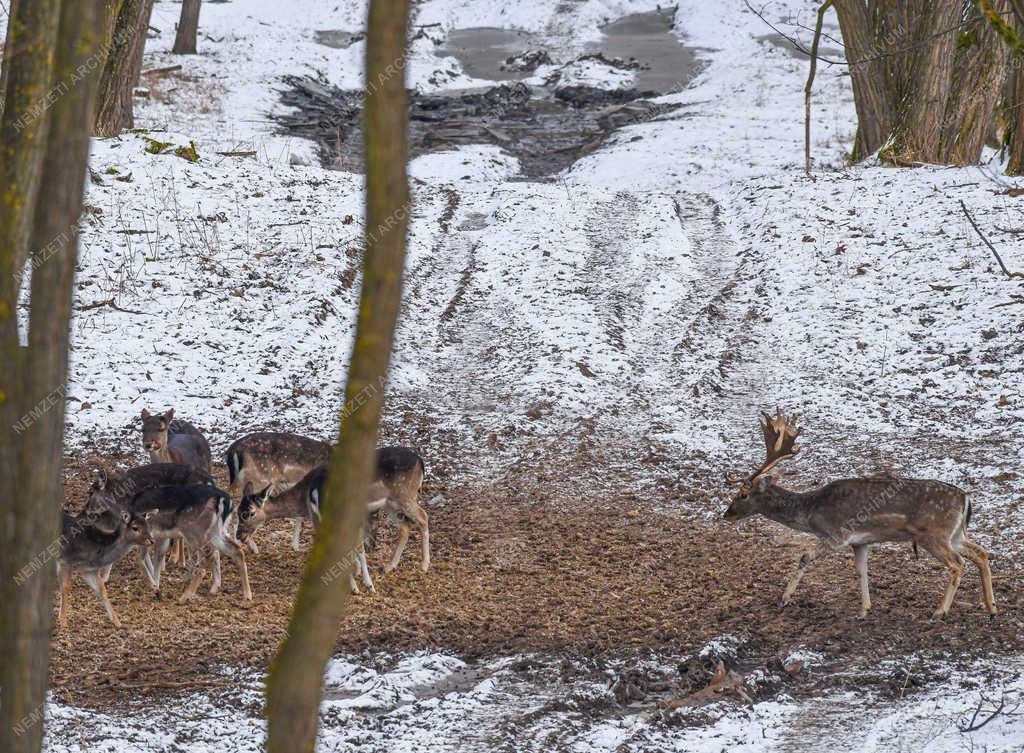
[
  {"x": 256, "y": 508},
  {"x": 277, "y": 460},
  {"x": 860, "y": 512},
  {"x": 395, "y": 493},
  {"x": 170, "y": 440},
  {"x": 197, "y": 513},
  {"x": 91, "y": 552}
]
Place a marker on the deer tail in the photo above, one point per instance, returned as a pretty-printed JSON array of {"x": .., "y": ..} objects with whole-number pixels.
[{"x": 234, "y": 463}]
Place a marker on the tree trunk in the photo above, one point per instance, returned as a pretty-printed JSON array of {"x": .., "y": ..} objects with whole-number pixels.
[
  {"x": 188, "y": 28},
  {"x": 123, "y": 65},
  {"x": 867, "y": 76},
  {"x": 33, "y": 409},
  {"x": 12, "y": 12},
  {"x": 296, "y": 678}
]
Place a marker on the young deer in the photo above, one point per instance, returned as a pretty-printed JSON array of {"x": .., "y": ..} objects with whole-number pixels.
[
  {"x": 90, "y": 551},
  {"x": 277, "y": 460},
  {"x": 395, "y": 492},
  {"x": 197, "y": 513},
  {"x": 860, "y": 512},
  {"x": 256, "y": 508},
  {"x": 174, "y": 441}
]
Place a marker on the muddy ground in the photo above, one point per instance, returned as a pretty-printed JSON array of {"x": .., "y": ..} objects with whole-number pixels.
[{"x": 558, "y": 561}]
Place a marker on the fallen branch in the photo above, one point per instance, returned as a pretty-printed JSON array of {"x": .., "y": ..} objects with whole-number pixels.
[
  {"x": 237, "y": 154},
  {"x": 112, "y": 304},
  {"x": 988, "y": 243},
  {"x": 161, "y": 71}
]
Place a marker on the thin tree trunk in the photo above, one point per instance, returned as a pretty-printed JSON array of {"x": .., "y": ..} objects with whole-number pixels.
[
  {"x": 121, "y": 70},
  {"x": 188, "y": 28},
  {"x": 12, "y": 12},
  {"x": 296, "y": 678},
  {"x": 31, "y": 455}
]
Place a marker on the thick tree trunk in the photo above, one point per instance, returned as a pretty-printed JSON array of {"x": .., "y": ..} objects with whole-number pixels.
[
  {"x": 295, "y": 683},
  {"x": 33, "y": 421},
  {"x": 123, "y": 64},
  {"x": 867, "y": 76},
  {"x": 188, "y": 28}
]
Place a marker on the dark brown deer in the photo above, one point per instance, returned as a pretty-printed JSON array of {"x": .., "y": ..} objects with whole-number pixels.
[
  {"x": 395, "y": 493},
  {"x": 170, "y": 440},
  {"x": 860, "y": 512},
  {"x": 277, "y": 460},
  {"x": 91, "y": 552}
]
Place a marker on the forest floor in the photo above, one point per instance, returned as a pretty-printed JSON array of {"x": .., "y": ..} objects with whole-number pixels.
[{"x": 583, "y": 352}]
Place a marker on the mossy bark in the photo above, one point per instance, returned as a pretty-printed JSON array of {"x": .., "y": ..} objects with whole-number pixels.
[
  {"x": 58, "y": 45},
  {"x": 294, "y": 686}
]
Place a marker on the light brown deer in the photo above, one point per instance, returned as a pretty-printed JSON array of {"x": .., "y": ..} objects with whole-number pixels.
[
  {"x": 91, "y": 552},
  {"x": 278, "y": 460},
  {"x": 860, "y": 512}
]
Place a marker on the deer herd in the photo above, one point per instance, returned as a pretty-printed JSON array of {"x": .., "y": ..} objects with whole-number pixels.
[
  {"x": 173, "y": 501},
  {"x": 172, "y": 506}
]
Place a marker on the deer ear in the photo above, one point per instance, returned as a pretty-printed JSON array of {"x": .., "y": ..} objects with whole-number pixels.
[
  {"x": 265, "y": 495},
  {"x": 147, "y": 516},
  {"x": 125, "y": 516},
  {"x": 247, "y": 491},
  {"x": 169, "y": 414},
  {"x": 101, "y": 482},
  {"x": 145, "y": 413}
]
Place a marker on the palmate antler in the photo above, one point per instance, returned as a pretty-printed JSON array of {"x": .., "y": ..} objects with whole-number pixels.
[{"x": 780, "y": 434}]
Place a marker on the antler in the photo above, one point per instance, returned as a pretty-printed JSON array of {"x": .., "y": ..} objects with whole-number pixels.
[{"x": 780, "y": 435}]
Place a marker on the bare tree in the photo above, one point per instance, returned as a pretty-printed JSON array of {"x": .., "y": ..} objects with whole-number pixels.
[
  {"x": 296, "y": 678},
  {"x": 188, "y": 28},
  {"x": 50, "y": 95},
  {"x": 128, "y": 22}
]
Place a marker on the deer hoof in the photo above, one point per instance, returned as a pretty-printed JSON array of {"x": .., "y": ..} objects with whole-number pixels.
[
  {"x": 783, "y": 604},
  {"x": 156, "y": 595}
]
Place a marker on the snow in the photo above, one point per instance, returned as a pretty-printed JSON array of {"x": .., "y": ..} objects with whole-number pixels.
[{"x": 687, "y": 266}]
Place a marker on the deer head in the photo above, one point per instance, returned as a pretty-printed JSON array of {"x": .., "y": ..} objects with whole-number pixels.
[
  {"x": 154, "y": 429},
  {"x": 780, "y": 436},
  {"x": 251, "y": 513}
]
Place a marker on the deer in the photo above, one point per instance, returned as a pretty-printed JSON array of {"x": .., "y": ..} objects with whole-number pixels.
[
  {"x": 277, "y": 460},
  {"x": 91, "y": 551},
  {"x": 395, "y": 493},
  {"x": 197, "y": 513},
  {"x": 109, "y": 495},
  {"x": 256, "y": 508},
  {"x": 859, "y": 512},
  {"x": 170, "y": 440}
]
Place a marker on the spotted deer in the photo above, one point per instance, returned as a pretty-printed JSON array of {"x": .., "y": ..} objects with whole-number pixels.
[
  {"x": 256, "y": 508},
  {"x": 395, "y": 493},
  {"x": 91, "y": 552},
  {"x": 862, "y": 511},
  {"x": 277, "y": 460},
  {"x": 198, "y": 514}
]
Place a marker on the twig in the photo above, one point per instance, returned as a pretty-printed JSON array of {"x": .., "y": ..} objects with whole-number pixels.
[
  {"x": 237, "y": 154},
  {"x": 792, "y": 40},
  {"x": 988, "y": 243},
  {"x": 972, "y": 727},
  {"x": 112, "y": 304},
  {"x": 810, "y": 85}
]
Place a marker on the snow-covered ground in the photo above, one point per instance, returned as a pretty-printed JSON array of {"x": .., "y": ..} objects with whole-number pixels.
[{"x": 665, "y": 288}]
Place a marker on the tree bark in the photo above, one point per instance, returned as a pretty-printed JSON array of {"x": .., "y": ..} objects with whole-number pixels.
[
  {"x": 31, "y": 453},
  {"x": 296, "y": 678},
  {"x": 867, "y": 76},
  {"x": 12, "y": 12},
  {"x": 122, "y": 68},
  {"x": 188, "y": 28}
]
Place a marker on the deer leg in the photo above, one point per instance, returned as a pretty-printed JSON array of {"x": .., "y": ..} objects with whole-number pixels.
[
  {"x": 177, "y": 556},
  {"x": 215, "y": 586},
  {"x": 237, "y": 554},
  {"x": 945, "y": 554},
  {"x": 64, "y": 578},
  {"x": 196, "y": 574},
  {"x": 403, "y": 539},
  {"x": 147, "y": 567},
  {"x": 860, "y": 560},
  {"x": 361, "y": 556},
  {"x": 296, "y": 530},
  {"x": 805, "y": 560},
  {"x": 977, "y": 554},
  {"x": 423, "y": 521},
  {"x": 96, "y": 584},
  {"x": 105, "y": 572}
]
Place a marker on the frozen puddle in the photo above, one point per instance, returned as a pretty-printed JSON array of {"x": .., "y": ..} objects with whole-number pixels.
[
  {"x": 484, "y": 52},
  {"x": 664, "y": 64},
  {"x": 438, "y": 702}
]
